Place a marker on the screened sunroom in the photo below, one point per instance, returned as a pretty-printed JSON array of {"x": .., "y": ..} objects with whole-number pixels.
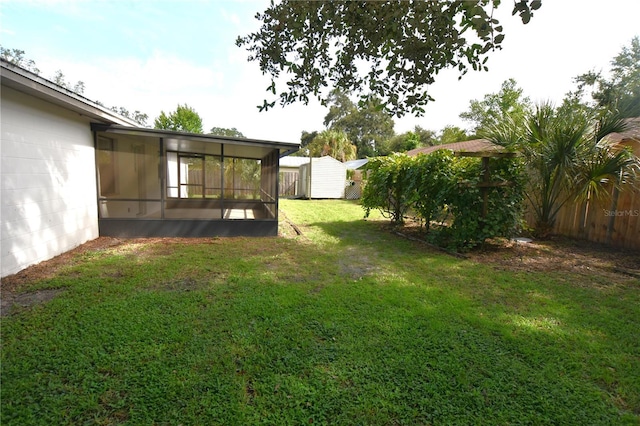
[{"x": 162, "y": 183}]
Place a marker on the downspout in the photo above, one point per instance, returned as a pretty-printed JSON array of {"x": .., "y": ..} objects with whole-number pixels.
[
  {"x": 97, "y": 175},
  {"x": 276, "y": 157},
  {"x": 222, "y": 170},
  {"x": 162, "y": 169}
]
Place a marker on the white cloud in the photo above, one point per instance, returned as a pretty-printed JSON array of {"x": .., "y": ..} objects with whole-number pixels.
[
  {"x": 141, "y": 83},
  {"x": 225, "y": 95}
]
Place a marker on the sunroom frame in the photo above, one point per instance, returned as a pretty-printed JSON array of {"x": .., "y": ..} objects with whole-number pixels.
[{"x": 144, "y": 205}]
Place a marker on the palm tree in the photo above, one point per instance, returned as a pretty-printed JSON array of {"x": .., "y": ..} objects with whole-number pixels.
[
  {"x": 334, "y": 143},
  {"x": 567, "y": 158}
]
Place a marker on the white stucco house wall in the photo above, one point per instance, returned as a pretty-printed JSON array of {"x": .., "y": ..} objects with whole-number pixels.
[
  {"x": 323, "y": 177},
  {"x": 47, "y": 168}
]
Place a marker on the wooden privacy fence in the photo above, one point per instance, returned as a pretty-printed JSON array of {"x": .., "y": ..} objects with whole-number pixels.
[
  {"x": 614, "y": 221},
  {"x": 288, "y": 184}
]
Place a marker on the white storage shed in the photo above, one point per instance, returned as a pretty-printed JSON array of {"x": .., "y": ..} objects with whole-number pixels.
[{"x": 323, "y": 177}]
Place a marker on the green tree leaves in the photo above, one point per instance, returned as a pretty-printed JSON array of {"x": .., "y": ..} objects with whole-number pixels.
[
  {"x": 452, "y": 134},
  {"x": 388, "y": 186},
  {"x": 16, "y": 57},
  {"x": 400, "y": 143},
  {"x": 495, "y": 107},
  {"x": 183, "y": 119},
  {"x": 366, "y": 125},
  {"x": 334, "y": 143},
  {"x": 223, "y": 131},
  {"x": 525, "y": 9},
  {"x": 619, "y": 92},
  {"x": 137, "y": 116},
  {"x": 390, "y": 50},
  {"x": 566, "y": 157}
]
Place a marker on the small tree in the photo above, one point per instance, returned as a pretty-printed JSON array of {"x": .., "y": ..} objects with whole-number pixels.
[{"x": 183, "y": 119}]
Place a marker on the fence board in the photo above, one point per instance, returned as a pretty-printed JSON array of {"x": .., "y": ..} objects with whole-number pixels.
[{"x": 288, "y": 184}]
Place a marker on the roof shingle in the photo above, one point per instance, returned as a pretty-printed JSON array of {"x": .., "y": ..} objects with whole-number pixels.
[{"x": 475, "y": 145}]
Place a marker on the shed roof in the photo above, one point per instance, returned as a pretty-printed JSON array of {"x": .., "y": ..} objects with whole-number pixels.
[
  {"x": 293, "y": 161},
  {"x": 356, "y": 164},
  {"x": 27, "y": 82},
  {"x": 475, "y": 145}
]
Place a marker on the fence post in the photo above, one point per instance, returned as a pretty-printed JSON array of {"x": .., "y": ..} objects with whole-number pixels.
[{"x": 612, "y": 218}]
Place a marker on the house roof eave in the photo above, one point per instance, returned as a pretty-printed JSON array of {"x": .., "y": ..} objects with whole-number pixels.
[{"x": 27, "y": 82}]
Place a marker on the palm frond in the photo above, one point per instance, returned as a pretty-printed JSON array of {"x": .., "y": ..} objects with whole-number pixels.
[
  {"x": 506, "y": 133},
  {"x": 609, "y": 122},
  {"x": 608, "y": 167}
]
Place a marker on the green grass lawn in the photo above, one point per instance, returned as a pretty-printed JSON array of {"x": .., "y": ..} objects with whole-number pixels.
[{"x": 346, "y": 324}]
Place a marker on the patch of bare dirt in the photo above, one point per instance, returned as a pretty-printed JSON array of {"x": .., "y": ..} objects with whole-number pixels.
[
  {"x": 11, "y": 287},
  {"x": 10, "y": 301},
  {"x": 10, "y": 295},
  {"x": 559, "y": 254},
  {"x": 49, "y": 268}
]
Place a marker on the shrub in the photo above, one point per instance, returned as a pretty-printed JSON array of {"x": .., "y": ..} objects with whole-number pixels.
[
  {"x": 465, "y": 201},
  {"x": 441, "y": 184},
  {"x": 431, "y": 177},
  {"x": 389, "y": 185}
]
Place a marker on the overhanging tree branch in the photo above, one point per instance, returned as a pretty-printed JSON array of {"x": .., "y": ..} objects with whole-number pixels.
[{"x": 391, "y": 50}]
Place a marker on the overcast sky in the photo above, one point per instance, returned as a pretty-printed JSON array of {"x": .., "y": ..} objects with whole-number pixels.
[{"x": 153, "y": 55}]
